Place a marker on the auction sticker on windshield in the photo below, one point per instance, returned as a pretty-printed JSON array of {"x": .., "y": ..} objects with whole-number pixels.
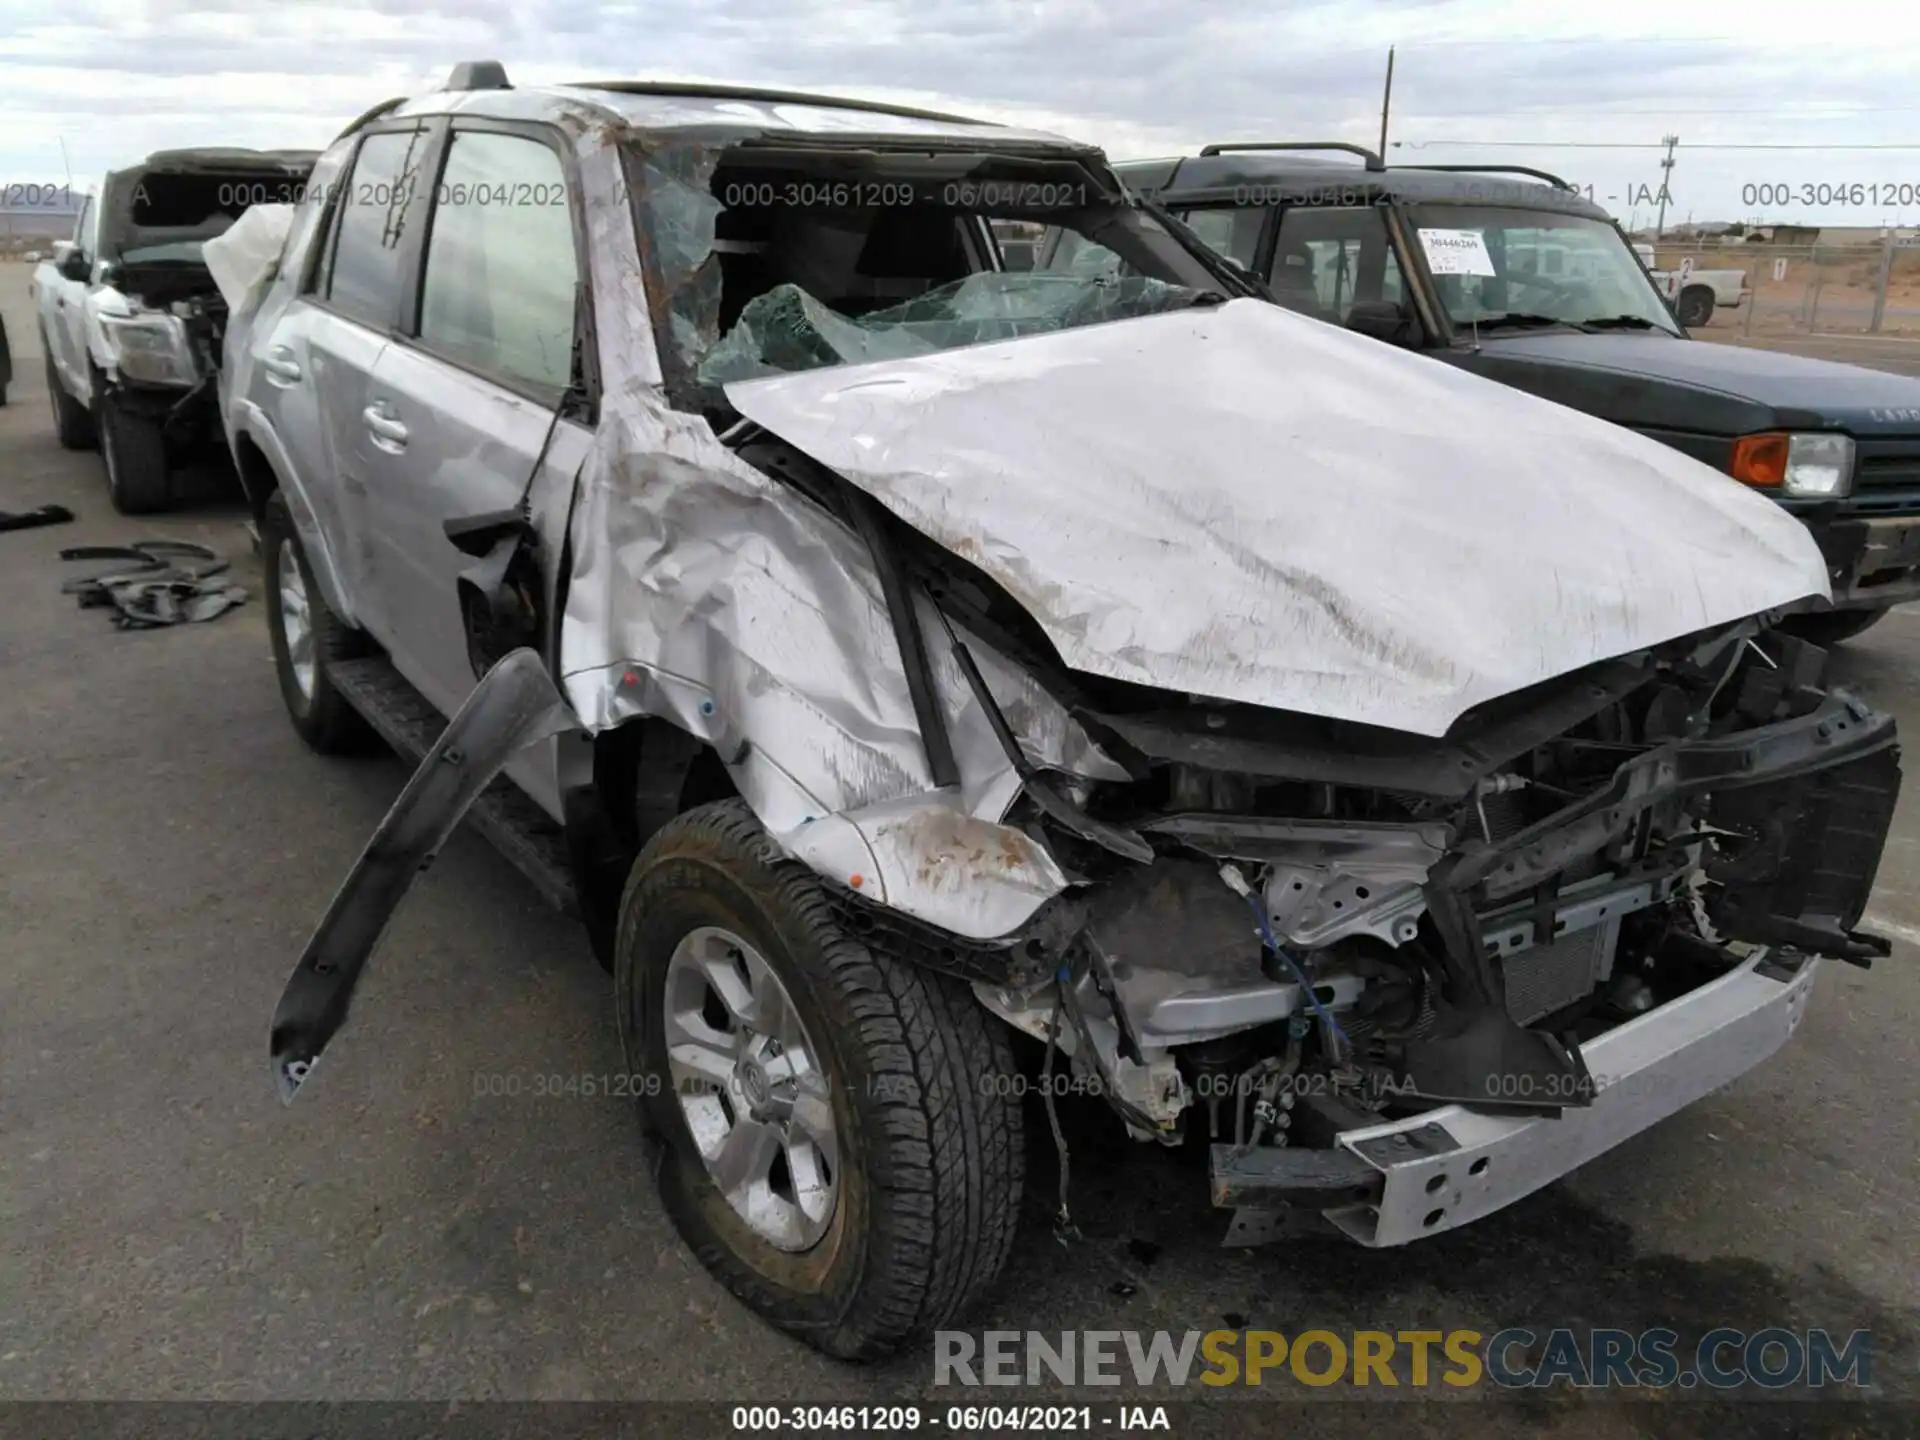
[{"x": 1457, "y": 252}]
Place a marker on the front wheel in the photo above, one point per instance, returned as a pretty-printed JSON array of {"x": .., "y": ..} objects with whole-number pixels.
[
  {"x": 837, "y": 1152},
  {"x": 1827, "y": 628},
  {"x": 135, "y": 451},
  {"x": 1696, "y": 307},
  {"x": 72, "y": 421}
]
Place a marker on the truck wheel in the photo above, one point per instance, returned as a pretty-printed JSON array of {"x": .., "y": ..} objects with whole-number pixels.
[
  {"x": 1830, "y": 627},
  {"x": 306, "y": 636},
  {"x": 1696, "y": 306},
  {"x": 837, "y": 1150},
  {"x": 72, "y": 421},
  {"x": 135, "y": 451}
]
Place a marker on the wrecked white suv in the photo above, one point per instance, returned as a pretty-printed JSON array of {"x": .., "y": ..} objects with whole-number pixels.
[{"x": 909, "y": 669}]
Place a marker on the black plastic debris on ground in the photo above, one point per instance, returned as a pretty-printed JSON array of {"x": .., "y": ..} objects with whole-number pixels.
[
  {"x": 34, "y": 519},
  {"x": 155, "y": 583}
]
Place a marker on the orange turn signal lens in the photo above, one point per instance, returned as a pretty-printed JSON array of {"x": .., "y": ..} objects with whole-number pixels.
[{"x": 1760, "y": 459}]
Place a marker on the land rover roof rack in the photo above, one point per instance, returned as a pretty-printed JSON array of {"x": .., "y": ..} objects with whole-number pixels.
[
  {"x": 771, "y": 97},
  {"x": 478, "y": 75},
  {"x": 1545, "y": 175},
  {"x": 1374, "y": 162}
]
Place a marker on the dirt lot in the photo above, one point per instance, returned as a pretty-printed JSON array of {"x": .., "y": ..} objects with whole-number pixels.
[
  {"x": 1824, "y": 289},
  {"x": 167, "y": 1230}
]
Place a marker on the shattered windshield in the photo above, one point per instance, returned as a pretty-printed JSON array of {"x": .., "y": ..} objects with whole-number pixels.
[
  {"x": 787, "y": 329},
  {"x": 766, "y": 260},
  {"x": 1495, "y": 267}
]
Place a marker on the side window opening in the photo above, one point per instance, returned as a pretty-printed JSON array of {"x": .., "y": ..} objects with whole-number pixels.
[{"x": 500, "y": 287}]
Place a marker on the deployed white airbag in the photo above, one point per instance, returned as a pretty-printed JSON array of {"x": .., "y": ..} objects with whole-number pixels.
[{"x": 246, "y": 256}]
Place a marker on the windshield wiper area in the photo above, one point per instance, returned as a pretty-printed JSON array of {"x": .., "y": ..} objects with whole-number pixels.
[
  {"x": 1621, "y": 322},
  {"x": 1513, "y": 319}
]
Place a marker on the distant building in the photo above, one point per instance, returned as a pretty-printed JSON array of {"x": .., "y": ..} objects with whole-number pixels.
[
  {"x": 38, "y": 223},
  {"x": 1867, "y": 234},
  {"x": 1784, "y": 235}
]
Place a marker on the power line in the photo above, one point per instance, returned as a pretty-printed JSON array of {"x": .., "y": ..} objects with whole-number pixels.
[
  {"x": 1629, "y": 145},
  {"x": 1813, "y": 113}
]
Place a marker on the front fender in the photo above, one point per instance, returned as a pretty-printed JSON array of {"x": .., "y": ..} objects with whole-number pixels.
[{"x": 247, "y": 421}]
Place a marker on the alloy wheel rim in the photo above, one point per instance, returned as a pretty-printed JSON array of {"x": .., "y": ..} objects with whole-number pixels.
[
  {"x": 296, "y": 620},
  {"x": 750, "y": 1085}
]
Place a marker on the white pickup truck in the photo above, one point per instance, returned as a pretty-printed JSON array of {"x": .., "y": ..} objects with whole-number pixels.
[
  {"x": 131, "y": 321},
  {"x": 1696, "y": 293}
]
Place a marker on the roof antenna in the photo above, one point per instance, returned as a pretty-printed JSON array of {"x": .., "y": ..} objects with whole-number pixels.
[{"x": 1386, "y": 99}]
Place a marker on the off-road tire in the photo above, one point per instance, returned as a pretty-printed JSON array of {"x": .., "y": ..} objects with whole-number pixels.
[
  {"x": 1696, "y": 307},
  {"x": 135, "y": 451},
  {"x": 324, "y": 720},
  {"x": 72, "y": 421},
  {"x": 931, "y": 1158},
  {"x": 1828, "y": 628}
]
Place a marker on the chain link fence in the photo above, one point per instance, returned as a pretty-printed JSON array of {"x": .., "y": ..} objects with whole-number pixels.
[{"x": 1852, "y": 289}]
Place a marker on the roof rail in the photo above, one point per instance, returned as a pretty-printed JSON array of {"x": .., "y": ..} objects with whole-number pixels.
[
  {"x": 478, "y": 75},
  {"x": 1547, "y": 176},
  {"x": 360, "y": 122},
  {"x": 1374, "y": 162},
  {"x": 772, "y": 97}
]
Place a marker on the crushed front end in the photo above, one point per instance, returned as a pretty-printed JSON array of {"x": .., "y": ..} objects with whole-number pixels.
[
  {"x": 158, "y": 322},
  {"x": 1397, "y": 983}
]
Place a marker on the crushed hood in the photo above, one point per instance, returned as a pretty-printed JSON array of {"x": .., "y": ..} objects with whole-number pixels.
[{"x": 1246, "y": 504}]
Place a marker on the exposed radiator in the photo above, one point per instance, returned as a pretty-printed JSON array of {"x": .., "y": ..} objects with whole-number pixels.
[{"x": 1547, "y": 978}]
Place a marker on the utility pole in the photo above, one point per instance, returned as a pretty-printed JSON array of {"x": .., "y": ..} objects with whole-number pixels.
[
  {"x": 1386, "y": 99},
  {"x": 1666, "y": 174}
]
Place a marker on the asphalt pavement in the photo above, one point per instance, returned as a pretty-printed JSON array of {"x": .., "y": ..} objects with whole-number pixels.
[{"x": 168, "y": 1230}]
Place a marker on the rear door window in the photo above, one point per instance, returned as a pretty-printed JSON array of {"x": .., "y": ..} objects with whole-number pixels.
[
  {"x": 379, "y": 203},
  {"x": 1327, "y": 259},
  {"x": 499, "y": 291}
]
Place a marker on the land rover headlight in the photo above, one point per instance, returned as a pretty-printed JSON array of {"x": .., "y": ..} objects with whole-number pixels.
[
  {"x": 1806, "y": 466},
  {"x": 151, "y": 347}
]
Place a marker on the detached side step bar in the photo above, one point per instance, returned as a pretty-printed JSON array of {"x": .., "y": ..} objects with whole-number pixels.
[
  {"x": 515, "y": 705},
  {"x": 511, "y": 823}
]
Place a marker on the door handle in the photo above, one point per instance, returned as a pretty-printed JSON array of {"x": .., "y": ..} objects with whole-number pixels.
[
  {"x": 278, "y": 362},
  {"x": 385, "y": 426}
]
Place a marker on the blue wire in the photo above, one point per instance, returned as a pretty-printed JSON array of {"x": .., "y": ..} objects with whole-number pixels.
[{"x": 1266, "y": 934}]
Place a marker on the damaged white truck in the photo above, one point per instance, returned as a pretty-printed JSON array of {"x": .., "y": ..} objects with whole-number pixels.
[
  {"x": 1385, "y": 778},
  {"x": 131, "y": 321}
]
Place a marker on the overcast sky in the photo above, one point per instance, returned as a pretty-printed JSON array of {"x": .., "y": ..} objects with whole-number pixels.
[{"x": 1481, "y": 80}]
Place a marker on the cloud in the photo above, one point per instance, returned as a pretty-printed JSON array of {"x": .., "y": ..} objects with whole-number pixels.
[{"x": 1473, "y": 77}]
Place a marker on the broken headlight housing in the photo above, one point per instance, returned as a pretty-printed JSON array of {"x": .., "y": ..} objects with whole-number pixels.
[{"x": 151, "y": 347}]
